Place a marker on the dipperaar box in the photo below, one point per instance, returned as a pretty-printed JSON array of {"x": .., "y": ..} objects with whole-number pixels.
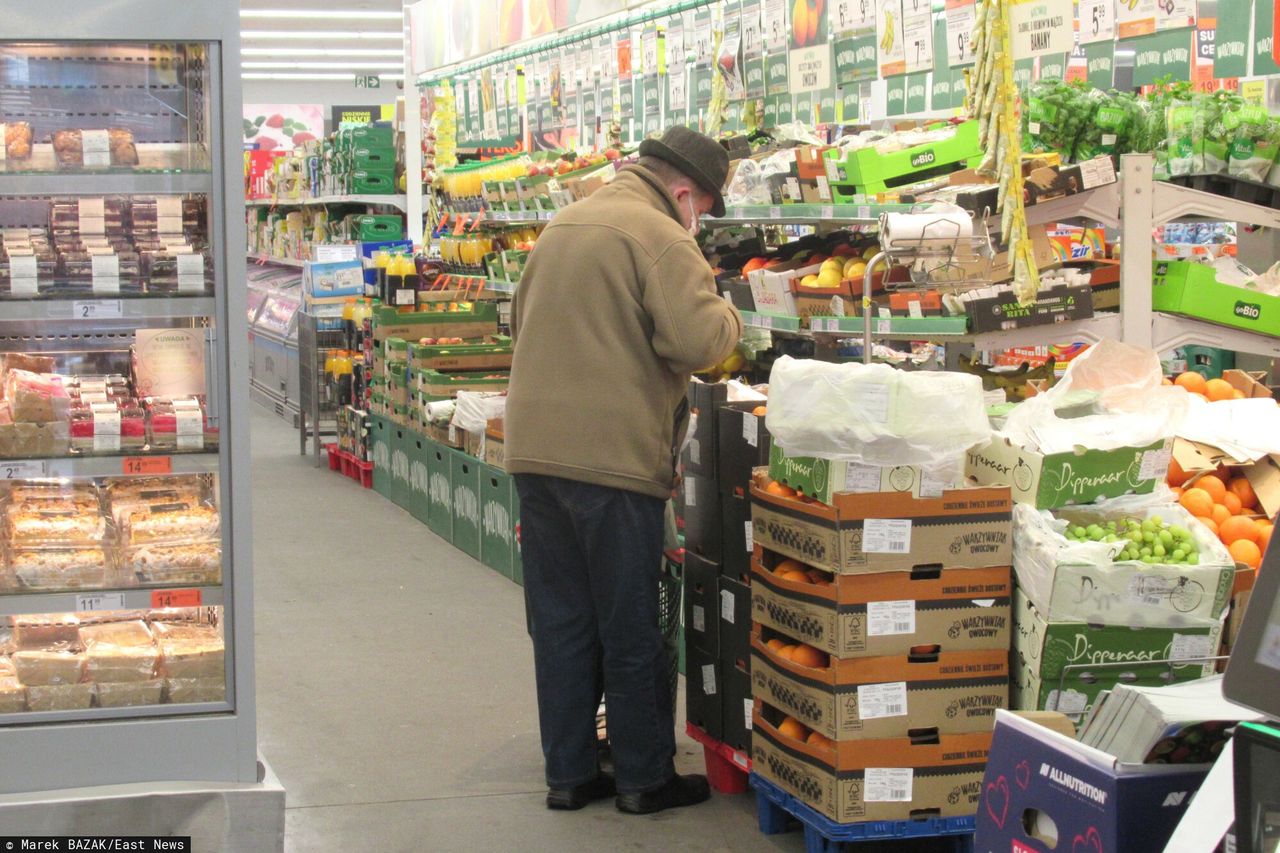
[
  {"x": 888, "y": 532},
  {"x": 1059, "y": 479},
  {"x": 885, "y": 697},
  {"x": 889, "y": 613},
  {"x": 1097, "y": 804},
  {"x": 866, "y": 780},
  {"x": 1043, "y": 649},
  {"x": 821, "y": 479}
]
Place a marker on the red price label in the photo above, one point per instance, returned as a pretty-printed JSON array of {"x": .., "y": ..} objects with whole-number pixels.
[
  {"x": 135, "y": 465},
  {"x": 161, "y": 598}
]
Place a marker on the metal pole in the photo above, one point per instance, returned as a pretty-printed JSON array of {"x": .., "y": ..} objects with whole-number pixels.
[{"x": 867, "y": 280}]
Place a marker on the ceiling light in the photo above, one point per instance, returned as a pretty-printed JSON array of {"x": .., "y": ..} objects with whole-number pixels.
[
  {"x": 321, "y": 13},
  {"x": 322, "y": 51},
  {"x": 322, "y": 35},
  {"x": 310, "y": 75},
  {"x": 391, "y": 66}
]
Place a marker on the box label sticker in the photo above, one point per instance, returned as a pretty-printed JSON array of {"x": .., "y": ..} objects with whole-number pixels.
[
  {"x": 1189, "y": 646},
  {"x": 746, "y": 711},
  {"x": 699, "y": 619},
  {"x": 1155, "y": 463},
  {"x": 751, "y": 536},
  {"x": 1097, "y": 172},
  {"x": 888, "y": 618},
  {"x": 1067, "y": 702},
  {"x": 751, "y": 430},
  {"x": 695, "y": 450},
  {"x": 709, "y": 679},
  {"x": 931, "y": 486},
  {"x": 888, "y": 785},
  {"x": 690, "y": 492},
  {"x": 861, "y": 478},
  {"x": 878, "y": 701},
  {"x": 1151, "y": 590},
  {"x": 886, "y": 536},
  {"x": 96, "y": 145},
  {"x": 875, "y": 398},
  {"x": 726, "y": 605}
]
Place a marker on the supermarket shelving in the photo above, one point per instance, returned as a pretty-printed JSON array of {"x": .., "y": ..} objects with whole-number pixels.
[
  {"x": 98, "y": 308},
  {"x": 84, "y": 600},
  {"x": 105, "y": 183},
  {"x": 294, "y": 263},
  {"x": 397, "y": 201},
  {"x": 108, "y": 466}
]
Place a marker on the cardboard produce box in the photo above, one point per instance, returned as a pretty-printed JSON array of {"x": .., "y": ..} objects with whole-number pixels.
[
  {"x": 702, "y": 516},
  {"x": 486, "y": 355},
  {"x": 1193, "y": 290},
  {"x": 736, "y": 536},
  {"x": 1003, "y": 312},
  {"x": 822, "y": 479},
  {"x": 736, "y": 707},
  {"x": 1059, "y": 479},
  {"x": 495, "y": 444},
  {"x": 868, "y": 780},
  {"x": 885, "y": 697},
  {"x": 888, "y": 532},
  {"x": 701, "y": 604},
  {"x": 744, "y": 444},
  {"x": 1096, "y": 803},
  {"x": 701, "y": 455},
  {"x": 771, "y": 288},
  {"x": 734, "y": 609},
  {"x": 702, "y": 696},
  {"x": 888, "y": 613},
  {"x": 479, "y": 322},
  {"x": 1042, "y": 649}
]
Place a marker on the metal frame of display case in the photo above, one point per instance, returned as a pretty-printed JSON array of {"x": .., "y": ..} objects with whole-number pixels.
[{"x": 211, "y": 742}]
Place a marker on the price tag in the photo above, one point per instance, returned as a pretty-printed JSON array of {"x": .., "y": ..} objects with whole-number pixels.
[
  {"x": 97, "y": 309},
  {"x": 143, "y": 465},
  {"x": 890, "y": 618},
  {"x": 751, "y": 536},
  {"x": 917, "y": 28},
  {"x": 824, "y": 190},
  {"x": 748, "y": 705},
  {"x": 690, "y": 492},
  {"x": 751, "y": 429},
  {"x": 1155, "y": 463},
  {"x": 837, "y": 308},
  {"x": 699, "y": 619},
  {"x": 864, "y": 212},
  {"x": 1187, "y": 646},
  {"x": 96, "y": 145},
  {"x": 1097, "y": 21},
  {"x": 726, "y": 605},
  {"x": 709, "y": 679},
  {"x": 100, "y": 601},
  {"x": 23, "y": 470},
  {"x": 914, "y": 309},
  {"x": 1070, "y": 702},
  {"x": 775, "y": 212},
  {"x": 763, "y": 321},
  {"x": 878, "y": 701},
  {"x": 164, "y": 598},
  {"x": 888, "y": 785},
  {"x": 884, "y": 326},
  {"x": 775, "y": 24},
  {"x": 828, "y": 211},
  {"x": 961, "y": 17},
  {"x": 886, "y": 536}
]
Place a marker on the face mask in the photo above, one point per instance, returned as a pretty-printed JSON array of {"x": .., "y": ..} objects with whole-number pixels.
[{"x": 695, "y": 225}]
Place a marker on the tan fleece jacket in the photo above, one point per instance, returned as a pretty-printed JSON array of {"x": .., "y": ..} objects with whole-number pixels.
[{"x": 615, "y": 309}]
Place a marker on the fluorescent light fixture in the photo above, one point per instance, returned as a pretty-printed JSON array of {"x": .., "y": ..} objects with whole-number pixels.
[
  {"x": 323, "y": 51},
  {"x": 256, "y": 75},
  {"x": 323, "y": 35},
  {"x": 1122, "y": 53},
  {"x": 335, "y": 66},
  {"x": 321, "y": 13}
]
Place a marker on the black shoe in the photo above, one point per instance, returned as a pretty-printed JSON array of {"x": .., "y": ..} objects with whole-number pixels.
[
  {"x": 679, "y": 791},
  {"x": 572, "y": 799}
]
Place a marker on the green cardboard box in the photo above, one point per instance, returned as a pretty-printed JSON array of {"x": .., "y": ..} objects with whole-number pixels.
[
  {"x": 1193, "y": 290},
  {"x": 439, "y": 489},
  {"x": 380, "y": 452},
  {"x": 822, "y": 478},
  {"x": 418, "y": 447},
  {"x": 497, "y": 530},
  {"x": 373, "y": 182},
  {"x": 466, "y": 502}
]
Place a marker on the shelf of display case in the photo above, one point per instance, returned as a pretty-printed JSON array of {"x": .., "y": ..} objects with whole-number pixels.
[
  {"x": 139, "y": 464},
  {"x": 104, "y": 183},
  {"x": 293, "y": 263},
  {"x": 84, "y": 600},
  {"x": 396, "y": 201},
  {"x": 95, "y": 309}
]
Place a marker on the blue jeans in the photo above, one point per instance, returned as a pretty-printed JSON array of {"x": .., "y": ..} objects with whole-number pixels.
[{"x": 592, "y": 560}]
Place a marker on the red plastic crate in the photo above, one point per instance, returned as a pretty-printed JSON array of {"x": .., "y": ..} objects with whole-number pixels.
[
  {"x": 727, "y": 768},
  {"x": 361, "y": 472},
  {"x": 335, "y": 460}
]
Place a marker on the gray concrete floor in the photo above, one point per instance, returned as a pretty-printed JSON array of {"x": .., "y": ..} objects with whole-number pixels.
[{"x": 395, "y": 687}]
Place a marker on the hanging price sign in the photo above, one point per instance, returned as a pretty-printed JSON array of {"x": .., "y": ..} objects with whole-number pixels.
[
  {"x": 961, "y": 16},
  {"x": 1097, "y": 21},
  {"x": 917, "y": 31}
]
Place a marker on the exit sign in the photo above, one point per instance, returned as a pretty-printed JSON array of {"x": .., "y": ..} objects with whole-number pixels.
[{"x": 368, "y": 81}]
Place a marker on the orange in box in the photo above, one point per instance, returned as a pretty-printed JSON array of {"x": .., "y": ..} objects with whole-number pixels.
[
  {"x": 894, "y": 779},
  {"x": 884, "y": 697},
  {"x": 865, "y": 533},
  {"x": 888, "y": 613}
]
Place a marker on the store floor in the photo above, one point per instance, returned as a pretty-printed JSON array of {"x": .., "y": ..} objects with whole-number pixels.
[{"x": 395, "y": 687}]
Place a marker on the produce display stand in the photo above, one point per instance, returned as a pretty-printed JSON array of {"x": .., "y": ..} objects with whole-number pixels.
[{"x": 775, "y": 809}]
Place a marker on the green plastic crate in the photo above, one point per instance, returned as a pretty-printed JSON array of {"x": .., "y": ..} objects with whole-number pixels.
[
  {"x": 440, "y": 489},
  {"x": 867, "y": 171},
  {"x": 1193, "y": 290},
  {"x": 374, "y": 158},
  {"x": 419, "y": 447},
  {"x": 380, "y": 449},
  {"x": 497, "y": 530},
  {"x": 466, "y": 502}
]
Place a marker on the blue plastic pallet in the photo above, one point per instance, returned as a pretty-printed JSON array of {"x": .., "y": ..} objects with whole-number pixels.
[{"x": 775, "y": 807}]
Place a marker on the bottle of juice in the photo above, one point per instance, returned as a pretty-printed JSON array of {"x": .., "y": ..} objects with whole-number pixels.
[
  {"x": 381, "y": 257},
  {"x": 348, "y": 322},
  {"x": 402, "y": 283}
]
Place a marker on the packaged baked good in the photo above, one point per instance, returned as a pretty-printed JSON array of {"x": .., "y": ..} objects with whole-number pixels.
[
  {"x": 46, "y": 631},
  {"x": 181, "y": 691},
  {"x": 175, "y": 424},
  {"x": 13, "y": 695},
  {"x": 53, "y": 569},
  {"x": 36, "y": 397},
  {"x": 119, "y": 651},
  {"x": 185, "y": 563},
  {"x": 172, "y": 523},
  {"x": 190, "y": 650},
  {"x": 94, "y": 148},
  {"x": 89, "y": 216},
  {"x": 27, "y": 271},
  {"x": 48, "y": 666},
  {"x": 101, "y": 270},
  {"x": 53, "y": 521},
  {"x": 60, "y": 697},
  {"x": 107, "y": 427},
  {"x": 27, "y": 440},
  {"x": 18, "y": 137},
  {"x": 127, "y": 694}
]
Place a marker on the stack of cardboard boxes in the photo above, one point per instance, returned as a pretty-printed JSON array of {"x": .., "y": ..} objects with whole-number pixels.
[
  {"x": 881, "y": 608},
  {"x": 726, "y": 443}
]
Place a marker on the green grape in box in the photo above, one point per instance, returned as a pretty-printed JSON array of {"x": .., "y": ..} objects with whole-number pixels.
[{"x": 1255, "y": 144}]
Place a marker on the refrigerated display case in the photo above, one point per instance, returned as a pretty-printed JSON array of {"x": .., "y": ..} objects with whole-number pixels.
[{"x": 126, "y": 632}]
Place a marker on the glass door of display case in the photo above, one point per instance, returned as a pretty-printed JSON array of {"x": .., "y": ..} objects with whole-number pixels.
[{"x": 125, "y": 586}]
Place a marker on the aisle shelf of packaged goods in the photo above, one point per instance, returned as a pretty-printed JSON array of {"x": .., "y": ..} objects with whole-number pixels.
[
  {"x": 88, "y": 600},
  {"x": 98, "y": 308},
  {"x": 397, "y": 201},
  {"x": 105, "y": 183},
  {"x": 506, "y": 288},
  {"x": 295, "y": 263},
  {"x": 122, "y": 465},
  {"x": 518, "y": 217}
]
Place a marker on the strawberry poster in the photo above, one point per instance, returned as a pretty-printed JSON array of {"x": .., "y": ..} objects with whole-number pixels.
[{"x": 274, "y": 127}]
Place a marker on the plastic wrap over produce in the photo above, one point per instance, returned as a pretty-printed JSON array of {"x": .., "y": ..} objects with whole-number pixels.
[
  {"x": 1133, "y": 408},
  {"x": 750, "y": 184},
  {"x": 874, "y": 414},
  {"x": 1093, "y": 581},
  {"x": 474, "y": 410}
]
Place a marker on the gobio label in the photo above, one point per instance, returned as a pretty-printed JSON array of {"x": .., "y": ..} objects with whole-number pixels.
[
  {"x": 924, "y": 158},
  {"x": 1248, "y": 310}
]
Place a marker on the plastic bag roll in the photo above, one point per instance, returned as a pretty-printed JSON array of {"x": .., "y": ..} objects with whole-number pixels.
[{"x": 901, "y": 229}]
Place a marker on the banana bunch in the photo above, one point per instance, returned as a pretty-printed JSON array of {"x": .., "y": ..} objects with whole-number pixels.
[
  {"x": 718, "y": 107},
  {"x": 886, "y": 41}
]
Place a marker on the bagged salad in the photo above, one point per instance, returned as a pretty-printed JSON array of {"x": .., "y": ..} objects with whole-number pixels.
[
  {"x": 1056, "y": 114},
  {"x": 1180, "y": 132},
  {"x": 1255, "y": 142},
  {"x": 1212, "y": 132}
]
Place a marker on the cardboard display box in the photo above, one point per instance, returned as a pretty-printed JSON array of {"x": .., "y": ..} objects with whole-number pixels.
[
  {"x": 734, "y": 607},
  {"x": 868, "y": 780},
  {"x": 1192, "y": 289},
  {"x": 443, "y": 385},
  {"x": 736, "y": 707},
  {"x": 771, "y": 288},
  {"x": 479, "y": 322},
  {"x": 487, "y": 355},
  {"x": 880, "y": 532},
  {"x": 886, "y": 697},
  {"x": 495, "y": 444},
  {"x": 702, "y": 695},
  {"x": 701, "y": 513},
  {"x": 744, "y": 444},
  {"x": 1095, "y": 803},
  {"x": 888, "y": 613},
  {"x": 1042, "y": 650},
  {"x": 702, "y": 453},
  {"x": 1002, "y": 312},
  {"x": 822, "y": 479},
  {"x": 1060, "y": 479},
  {"x": 701, "y": 604},
  {"x": 736, "y": 535}
]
